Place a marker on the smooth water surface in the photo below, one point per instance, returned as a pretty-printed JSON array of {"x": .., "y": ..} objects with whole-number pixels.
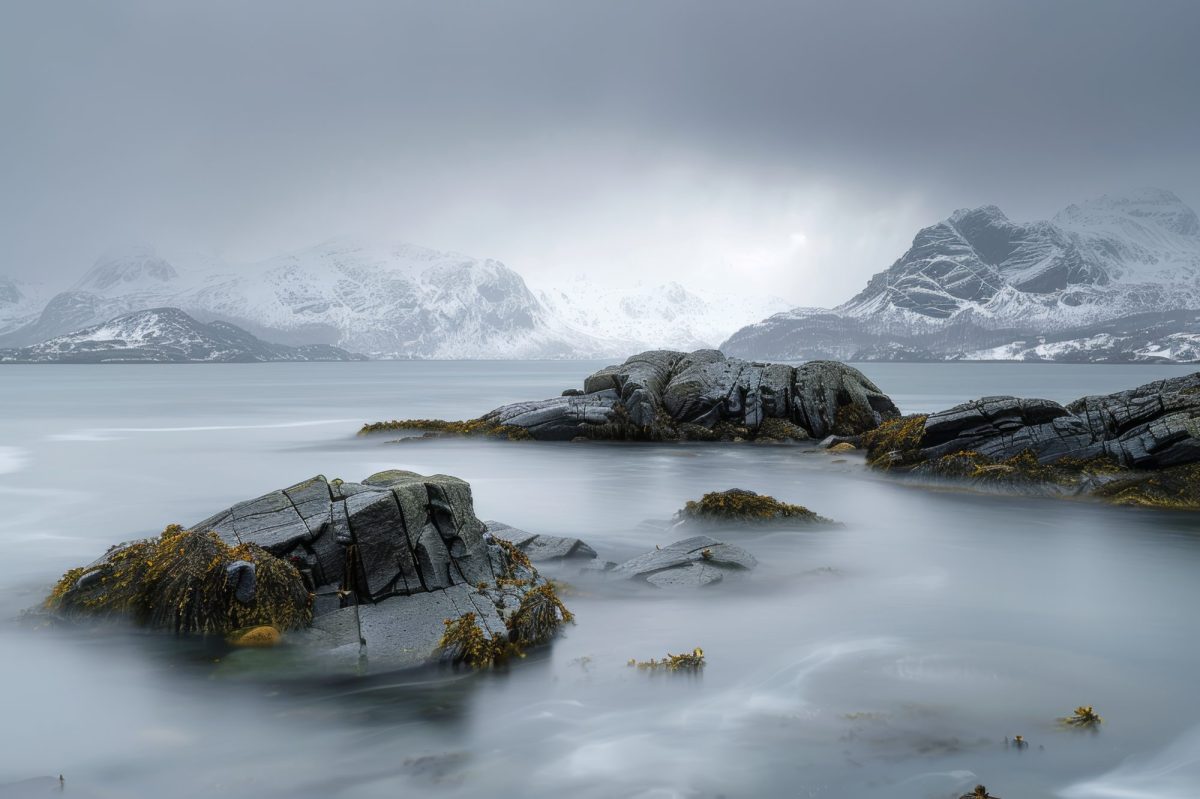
[{"x": 890, "y": 657}]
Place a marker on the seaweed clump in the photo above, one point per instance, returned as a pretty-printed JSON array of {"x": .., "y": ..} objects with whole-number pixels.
[
  {"x": 1177, "y": 487},
  {"x": 738, "y": 504},
  {"x": 687, "y": 662},
  {"x": 466, "y": 643},
  {"x": 482, "y": 428},
  {"x": 187, "y": 581},
  {"x": 1084, "y": 717},
  {"x": 980, "y": 792},
  {"x": 896, "y": 442},
  {"x": 537, "y": 617}
]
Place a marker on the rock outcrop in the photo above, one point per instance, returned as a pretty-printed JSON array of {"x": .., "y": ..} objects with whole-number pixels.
[
  {"x": 691, "y": 563},
  {"x": 1106, "y": 444},
  {"x": 663, "y": 395},
  {"x": 381, "y": 566}
]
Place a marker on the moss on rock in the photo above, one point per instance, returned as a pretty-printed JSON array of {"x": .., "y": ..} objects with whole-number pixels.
[
  {"x": 180, "y": 581},
  {"x": 896, "y": 442},
  {"x": 740, "y": 505},
  {"x": 440, "y": 427}
]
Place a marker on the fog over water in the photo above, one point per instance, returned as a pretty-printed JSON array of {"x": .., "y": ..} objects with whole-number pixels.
[{"x": 889, "y": 657}]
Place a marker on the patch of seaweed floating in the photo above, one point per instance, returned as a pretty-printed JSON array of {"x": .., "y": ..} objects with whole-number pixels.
[
  {"x": 435, "y": 427},
  {"x": 1084, "y": 717},
  {"x": 692, "y": 662}
]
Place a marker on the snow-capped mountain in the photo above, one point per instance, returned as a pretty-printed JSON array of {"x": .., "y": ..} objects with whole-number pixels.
[
  {"x": 666, "y": 316},
  {"x": 977, "y": 282},
  {"x": 20, "y": 303},
  {"x": 165, "y": 335},
  {"x": 392, "y": 301}
]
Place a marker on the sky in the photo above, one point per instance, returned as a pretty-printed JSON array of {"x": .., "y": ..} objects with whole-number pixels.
[{"x": 785, "y": 148}]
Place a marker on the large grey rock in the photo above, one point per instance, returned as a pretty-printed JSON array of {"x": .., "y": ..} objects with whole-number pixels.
[
  {"x": 692, "y": 562},
  {"x": 668, "y": 395},
  {"x": 407, "y": 548},
  {"x": 1154, "y": 426}
]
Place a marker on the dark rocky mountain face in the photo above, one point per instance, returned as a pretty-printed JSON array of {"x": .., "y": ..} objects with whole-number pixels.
[
  {"x": 978, "y": 281},
  {"x": 165, "y": 335}
]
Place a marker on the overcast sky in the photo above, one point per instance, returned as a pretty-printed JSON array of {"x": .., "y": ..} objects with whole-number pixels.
[{"x": 787, "y": 147}]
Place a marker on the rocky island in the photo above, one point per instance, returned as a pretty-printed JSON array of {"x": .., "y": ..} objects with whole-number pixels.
[
  {"x": 1136, "y": 447},
  {"x": 664, "y": 395},
  {"x": 395, "y": 571}
]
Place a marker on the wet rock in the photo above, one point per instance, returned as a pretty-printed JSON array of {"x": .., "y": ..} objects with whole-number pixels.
[
  {"x": 1140, "y": 445},
  {"x": 664, "y": 395},
  {"x": 398, "y": 555},
  {"x": 692, "y": 562},
  {"x": 540, "y": 547}
]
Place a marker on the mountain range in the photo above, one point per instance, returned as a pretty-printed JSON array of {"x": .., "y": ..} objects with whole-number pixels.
[
  {"x": 166, "y": 335},
  {"x": 1111, "y": 279},
  {"x": 395, "y": 301}
]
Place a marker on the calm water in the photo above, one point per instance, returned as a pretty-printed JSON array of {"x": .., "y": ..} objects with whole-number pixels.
[{"x": 888, "y": 658}]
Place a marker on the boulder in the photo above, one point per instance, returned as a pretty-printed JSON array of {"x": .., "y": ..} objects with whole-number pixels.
[
  {"x": 664, "y": 395},
  {"x": 693, "y": 562},
  {"x": 390, "y": 560}
]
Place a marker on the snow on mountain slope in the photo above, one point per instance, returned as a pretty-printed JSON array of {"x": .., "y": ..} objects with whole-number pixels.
[
  {"x": 666, "y": 316},
  {"x": 164, "y": 335},
  {"x": 978, "y": 272},
  {"x": 20, "y": 303}
]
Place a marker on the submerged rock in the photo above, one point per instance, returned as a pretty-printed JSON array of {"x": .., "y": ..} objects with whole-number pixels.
[
  {"x": 377, "y": 567},
  {"x": 691, "y": 563},
  {"x": 1140, "y": 446},
  {"x": 663, "y": 395},
  {"x": 740, "y": 505}
]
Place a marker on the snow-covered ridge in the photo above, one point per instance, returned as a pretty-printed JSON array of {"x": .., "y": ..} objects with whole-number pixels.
[
  {"x": 164, "y": 335},
  {"x": 977, "y": 276},
  {"x": 391, "y": 301}
]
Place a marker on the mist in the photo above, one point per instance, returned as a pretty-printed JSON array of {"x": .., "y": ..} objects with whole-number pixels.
[{"x": 790, "y": 148}]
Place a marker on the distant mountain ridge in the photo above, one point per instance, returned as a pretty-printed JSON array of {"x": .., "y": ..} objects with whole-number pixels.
[
  {"x": 980, "y": 285},
  {"x": 166, "y": 335},
  {"x": 391, "y": 301}
]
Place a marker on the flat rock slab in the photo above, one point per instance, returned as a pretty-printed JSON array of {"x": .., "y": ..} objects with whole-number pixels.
[
  {"x": 540, "y": 547},
  {"x": 400, "y": 632},
  {"x": 692, "y": 562}
]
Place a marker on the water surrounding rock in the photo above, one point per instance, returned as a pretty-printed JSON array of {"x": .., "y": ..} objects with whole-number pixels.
[
  {"x": 1149, "y": 435},
  {"x": 692, "y": 563},
  {"x": 387, "y": 561},
  {"x": 664, "y": 395}
]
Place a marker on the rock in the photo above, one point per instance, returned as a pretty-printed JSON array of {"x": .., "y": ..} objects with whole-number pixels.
[
  {"x": 693, "y": 562},
  {"x": 541, "y": 548},
  {"x": 1084, "y": 446},
  {"x": 829, "y": 442},
  {"x": 738, "y": 505},
  {"x": 399, "y": 554},
  {"x": 664, "y": 395},
  {"x": 261, "y": 636},
  {"x": 843, "y": 446}
]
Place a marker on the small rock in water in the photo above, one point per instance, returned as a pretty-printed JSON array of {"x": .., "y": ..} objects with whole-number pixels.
[{"x": 261, "y": 636}]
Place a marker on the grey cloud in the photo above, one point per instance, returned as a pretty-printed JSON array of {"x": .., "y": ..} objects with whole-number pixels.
[{"x": 539, "y": 131}]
